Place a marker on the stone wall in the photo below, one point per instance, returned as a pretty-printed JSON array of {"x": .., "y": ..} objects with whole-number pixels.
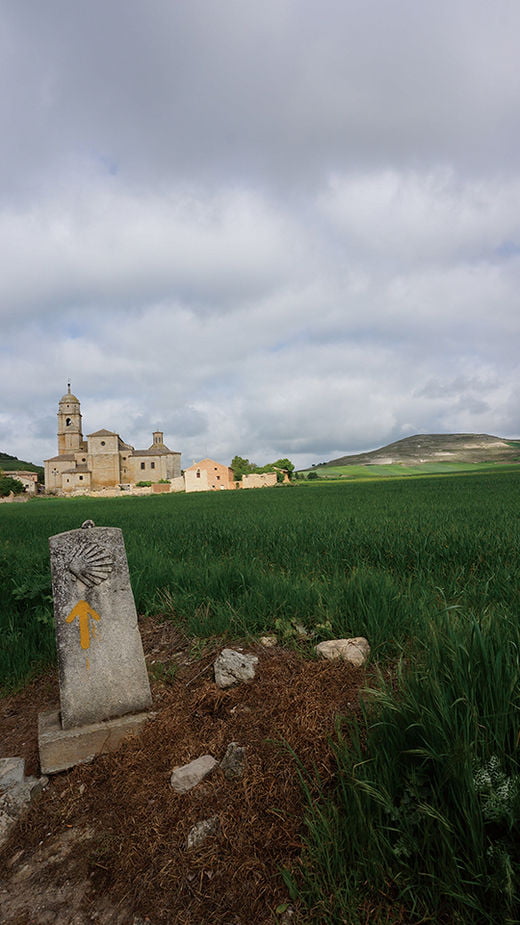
[
  {"x": 258, "y": 480},
  {"x": 217, "y": 475},
  {"x": 196, "y": 480}
]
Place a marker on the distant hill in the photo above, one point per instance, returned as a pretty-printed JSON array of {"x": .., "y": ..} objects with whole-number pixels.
[
  {"x": 11, "y": 463},
  {"x": 427, "y": 448}
]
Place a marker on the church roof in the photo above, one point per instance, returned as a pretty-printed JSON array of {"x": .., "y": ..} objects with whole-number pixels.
[
  {"x": 207, "y": 459},
  {"x": 67, "y": 456},
  {"x": 103, "y": 433},
  {"x": 156, "y": 449}
]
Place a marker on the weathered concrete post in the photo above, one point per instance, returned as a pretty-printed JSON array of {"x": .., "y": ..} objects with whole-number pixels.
[{"x": 104, "y": 686}]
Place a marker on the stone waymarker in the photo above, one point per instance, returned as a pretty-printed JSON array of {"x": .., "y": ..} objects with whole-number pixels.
[{"x": 103, "y": 677}]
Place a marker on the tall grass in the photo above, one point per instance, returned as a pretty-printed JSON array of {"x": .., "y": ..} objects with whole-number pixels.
[
  {"x": 425, "y": 808},
  {"x": 423, "y": 815},
  {"x": 375, "y": 559}
]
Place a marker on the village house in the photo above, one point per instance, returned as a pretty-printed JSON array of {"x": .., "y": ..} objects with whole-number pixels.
[
  {"x": 28, "y": 479},
  {"x": 103, "y": 460},
  {"x": 208, "y": 475}
]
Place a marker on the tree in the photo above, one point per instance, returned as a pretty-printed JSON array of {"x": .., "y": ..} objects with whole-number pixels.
[
  {"x": 8, "y": 485},
  {"x": 241, "y": 467},
  {"x": 285, "y": 464}
]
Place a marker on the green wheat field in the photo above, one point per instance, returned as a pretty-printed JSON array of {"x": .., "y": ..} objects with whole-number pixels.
[{"x": 425, "y": 809}]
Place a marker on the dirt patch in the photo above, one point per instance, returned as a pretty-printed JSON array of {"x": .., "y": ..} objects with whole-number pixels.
[
  {"x": 19, "y": 719},
  {"x": 107, "y": 841}
]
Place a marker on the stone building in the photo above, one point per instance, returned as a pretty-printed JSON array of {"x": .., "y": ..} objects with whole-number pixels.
[
  {"x": 260, "y": 480},
  {"x": 28, "y": 479},
  {"x": 208, "y": 475},
  {"x": 103, "y": 460}
]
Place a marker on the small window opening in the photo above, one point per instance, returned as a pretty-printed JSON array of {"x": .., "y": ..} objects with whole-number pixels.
[
  {"x": 142, "y": 465},
  {"x": 152, "y": 465}
]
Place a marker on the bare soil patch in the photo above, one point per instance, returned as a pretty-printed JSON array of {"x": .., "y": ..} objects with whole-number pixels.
[{"x": 106, "y": 842}]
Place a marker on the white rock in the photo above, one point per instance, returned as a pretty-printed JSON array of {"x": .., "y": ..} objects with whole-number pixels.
[
  {"x": 189, "y": 775},
  {"x": 231, "y": 667},
  {"x": 198, "y": 834},
  {"x": 6, "y": 822},
  {"x": 268, "y": 641},
  {"x": 234, "y": 761},
  {"x": 15, "y": 799},
  {"x": 12, "y": 772},
  {"x": 355, "y": 650},
  {"x": 301, "y": 631}
]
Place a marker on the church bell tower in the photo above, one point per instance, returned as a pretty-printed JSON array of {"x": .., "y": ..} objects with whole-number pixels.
[{"x": 70, "y": 436}]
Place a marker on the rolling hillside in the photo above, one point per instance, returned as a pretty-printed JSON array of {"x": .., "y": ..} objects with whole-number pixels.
[
  {"x": 429, "y": 448},
  {"x": 12, "y": 464}
]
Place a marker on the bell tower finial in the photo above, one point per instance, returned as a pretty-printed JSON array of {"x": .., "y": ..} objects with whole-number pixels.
[{"x": 70, "y": 436}]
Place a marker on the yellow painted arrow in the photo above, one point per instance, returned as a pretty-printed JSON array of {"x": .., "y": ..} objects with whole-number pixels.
[{"x": 83, "y": 612}]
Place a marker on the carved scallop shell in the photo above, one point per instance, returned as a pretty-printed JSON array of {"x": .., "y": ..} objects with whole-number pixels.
[{"x": 91, "y": 564}]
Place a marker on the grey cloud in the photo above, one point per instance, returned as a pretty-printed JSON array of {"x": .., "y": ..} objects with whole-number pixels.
[
  {"x": 275, "y": 92},
  {"x": 450, "y": 388},
  {"x": 265, "y": 228},
  {"x": 186, "y": 422}
]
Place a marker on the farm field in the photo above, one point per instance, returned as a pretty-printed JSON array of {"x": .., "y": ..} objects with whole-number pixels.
[
  {"x": 400, "y": 470},
  {"x": 425, "y": 807}
]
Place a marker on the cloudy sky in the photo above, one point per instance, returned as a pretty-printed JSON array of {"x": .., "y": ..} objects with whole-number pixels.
[{"x": 277, "y": 228}]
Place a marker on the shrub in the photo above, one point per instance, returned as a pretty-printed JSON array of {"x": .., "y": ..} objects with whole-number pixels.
[{"x": 8, "y": 485}]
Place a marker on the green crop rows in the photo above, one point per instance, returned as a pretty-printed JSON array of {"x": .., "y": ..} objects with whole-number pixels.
[
  {"x": 399, "y": 470},
  {"x": 424, "y": 815}
]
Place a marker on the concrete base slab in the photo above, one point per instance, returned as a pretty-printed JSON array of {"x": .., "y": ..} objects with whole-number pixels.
[{"x": 64, "y": 748}]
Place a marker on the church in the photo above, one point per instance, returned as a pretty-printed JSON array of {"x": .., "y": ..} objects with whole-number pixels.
[{"x": 103, "y": 460}]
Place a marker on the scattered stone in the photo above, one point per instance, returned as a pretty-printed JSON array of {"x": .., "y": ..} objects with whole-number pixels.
[
  {"x": 233, "y": 763},
  {"x": 6, "y": 821},
  {"x": 231, "y": 667},
  {"x": 287, "y": 916},
  {"x": 17, "y": 856},
  {"x": 12, "y": 772},
  {"x": 16, "y": 793},
  {"x": 301, "y": 631},
  {"x": 198, "y": 834},
  {"x": 355, "y": 650},
  {"x": 187, "y": 776},
  {"x": 269, "y": 641}
]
